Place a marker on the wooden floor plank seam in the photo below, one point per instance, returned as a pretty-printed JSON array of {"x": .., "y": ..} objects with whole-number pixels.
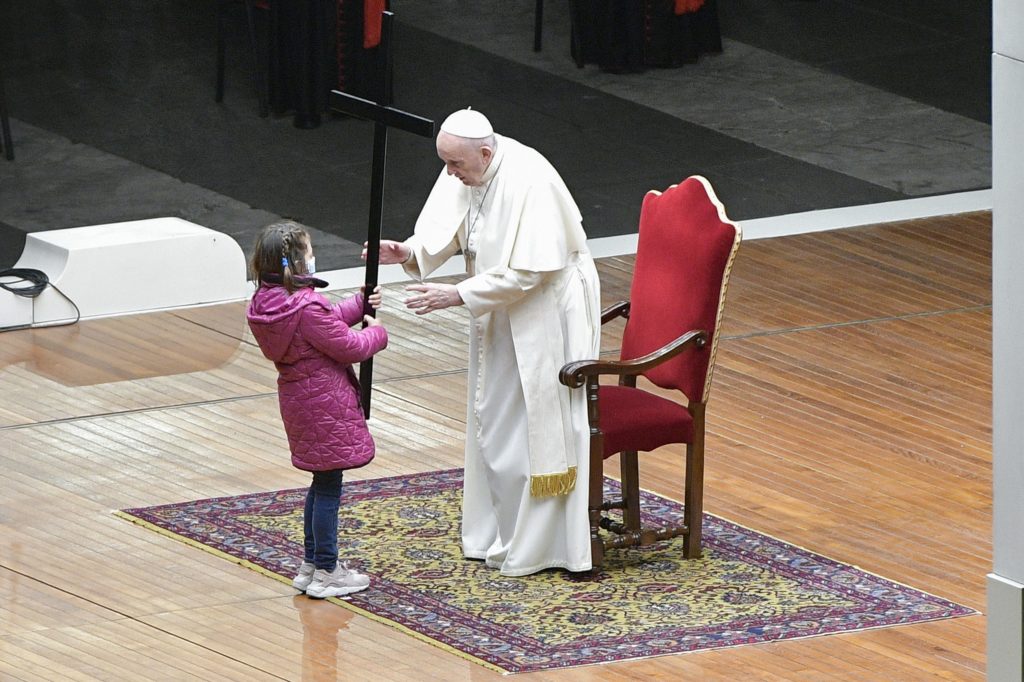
[
  {"x": 850, "y": 414},
  {"x": 854, "y": 323}
]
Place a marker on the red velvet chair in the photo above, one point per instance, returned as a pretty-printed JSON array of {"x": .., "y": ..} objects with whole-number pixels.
[{"x": 685, "y": 252}]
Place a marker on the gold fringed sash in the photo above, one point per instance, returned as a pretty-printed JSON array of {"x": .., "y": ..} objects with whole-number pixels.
[{"x": 549, "y": 485}]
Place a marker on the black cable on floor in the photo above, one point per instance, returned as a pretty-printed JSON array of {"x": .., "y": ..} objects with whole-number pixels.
[{"x": 37, "y": 281}]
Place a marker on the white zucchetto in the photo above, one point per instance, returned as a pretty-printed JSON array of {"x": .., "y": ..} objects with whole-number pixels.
[{"x": 467, "y": 123}]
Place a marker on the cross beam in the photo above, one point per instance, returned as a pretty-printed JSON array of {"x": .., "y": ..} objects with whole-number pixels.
[{"x": 384, "y": 116}]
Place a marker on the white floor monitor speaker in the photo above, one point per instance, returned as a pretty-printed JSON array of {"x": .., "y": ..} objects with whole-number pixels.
[{"x": 127, "y": 267}]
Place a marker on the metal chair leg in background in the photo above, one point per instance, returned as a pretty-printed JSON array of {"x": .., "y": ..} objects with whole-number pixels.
[
  {"x": 259, "y": 75},
  {"x": 538, "y": 24},
  {"x": 6, "y": 143}
]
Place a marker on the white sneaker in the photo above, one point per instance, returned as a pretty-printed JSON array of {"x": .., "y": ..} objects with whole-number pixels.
[
  {"x": 304, "y": 577},
  {"x": 338, "y": 583}
]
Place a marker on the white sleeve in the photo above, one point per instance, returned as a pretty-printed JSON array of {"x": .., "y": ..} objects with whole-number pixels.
[
  {"x": 421, "y": 263},
  {"x": 490, "y": 291}
]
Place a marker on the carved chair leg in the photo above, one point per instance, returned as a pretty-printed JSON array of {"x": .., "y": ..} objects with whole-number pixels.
[
  {"x": 694, "y": 498},
  {"x": 595, "y": 496},
  {"x": 596, "y": 543},
  {"x": 595, "y": 482},
  {"x": 630, "y": 471}
]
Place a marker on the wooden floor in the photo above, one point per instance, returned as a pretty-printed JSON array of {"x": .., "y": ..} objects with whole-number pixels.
[{"x": 850, "y": 414}]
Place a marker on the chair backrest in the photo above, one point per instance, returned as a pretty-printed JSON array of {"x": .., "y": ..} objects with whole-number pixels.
[{"x": 684, "y": 254}]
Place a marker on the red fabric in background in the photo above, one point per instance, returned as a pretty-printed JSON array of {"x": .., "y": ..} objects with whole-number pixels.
[
  {"x": 687, "y": 6},
  {"x": 372, "y": 20}
]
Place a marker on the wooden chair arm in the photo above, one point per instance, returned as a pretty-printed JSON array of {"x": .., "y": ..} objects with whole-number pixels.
[
  {"x": 620, "y": 309},
  {"x": 575, "y": 374}
]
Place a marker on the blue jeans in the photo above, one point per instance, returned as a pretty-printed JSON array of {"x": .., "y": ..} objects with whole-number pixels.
[{"x": 320, "y": 519}]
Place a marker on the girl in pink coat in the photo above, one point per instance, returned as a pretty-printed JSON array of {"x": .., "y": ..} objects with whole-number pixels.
[{"x": 313, "y": 347}]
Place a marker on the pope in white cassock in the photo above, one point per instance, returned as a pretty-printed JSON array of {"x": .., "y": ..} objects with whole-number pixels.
[{"x": 534, "y": 301}]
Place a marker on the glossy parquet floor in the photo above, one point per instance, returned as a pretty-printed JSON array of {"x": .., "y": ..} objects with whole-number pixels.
[{"x": 850, "y": 414}]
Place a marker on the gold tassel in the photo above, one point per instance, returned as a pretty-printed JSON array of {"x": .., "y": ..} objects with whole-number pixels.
[{"x": 549, "y": 485}]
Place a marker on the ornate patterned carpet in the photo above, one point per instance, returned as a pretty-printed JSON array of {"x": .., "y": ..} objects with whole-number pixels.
[{"x": 404, "y": 532}]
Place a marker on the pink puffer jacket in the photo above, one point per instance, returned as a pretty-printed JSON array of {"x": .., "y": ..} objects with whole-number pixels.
[{"x": 313, "y": 346}]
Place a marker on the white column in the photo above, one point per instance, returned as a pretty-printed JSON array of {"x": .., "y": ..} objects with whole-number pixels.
[{"x": 1006, "y": 582}]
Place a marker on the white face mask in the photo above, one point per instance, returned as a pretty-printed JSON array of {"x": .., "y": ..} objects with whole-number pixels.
[{"x": 311, "y": 265}]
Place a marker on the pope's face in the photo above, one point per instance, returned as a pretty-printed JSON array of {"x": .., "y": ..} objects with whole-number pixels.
[{"x": 463, "y": 159}]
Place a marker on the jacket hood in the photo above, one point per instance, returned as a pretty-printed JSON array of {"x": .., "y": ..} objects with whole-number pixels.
[{"x": 274, "y": 317}]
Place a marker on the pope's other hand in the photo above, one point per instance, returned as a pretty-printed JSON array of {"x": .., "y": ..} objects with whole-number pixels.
[{"x": 429, "y": 297}]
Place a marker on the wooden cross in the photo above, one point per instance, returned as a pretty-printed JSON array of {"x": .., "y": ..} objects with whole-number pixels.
[{"x": 384, "y": 116}]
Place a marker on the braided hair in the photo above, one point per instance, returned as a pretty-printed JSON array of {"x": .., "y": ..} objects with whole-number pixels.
[{"x": 280, "y": 252}]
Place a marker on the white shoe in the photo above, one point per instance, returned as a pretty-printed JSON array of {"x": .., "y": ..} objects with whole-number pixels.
[
  {"x": 304, "y": 577},
  {"x": 337, "y": 583}
]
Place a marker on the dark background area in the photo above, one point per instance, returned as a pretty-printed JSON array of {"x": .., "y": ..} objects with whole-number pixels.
[{"x": 135, "y": 79}]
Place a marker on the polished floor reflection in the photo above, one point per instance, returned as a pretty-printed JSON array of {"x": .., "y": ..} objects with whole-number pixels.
[{"x": 853, "y": 423}]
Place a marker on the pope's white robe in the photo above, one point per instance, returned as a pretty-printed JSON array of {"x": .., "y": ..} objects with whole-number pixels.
[{"x": 534, "y": 301}]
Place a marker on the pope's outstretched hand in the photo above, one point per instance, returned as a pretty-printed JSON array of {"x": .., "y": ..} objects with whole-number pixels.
[
  {"x": 432, "y": 296},
  {"x": 391, "y": 252}
]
